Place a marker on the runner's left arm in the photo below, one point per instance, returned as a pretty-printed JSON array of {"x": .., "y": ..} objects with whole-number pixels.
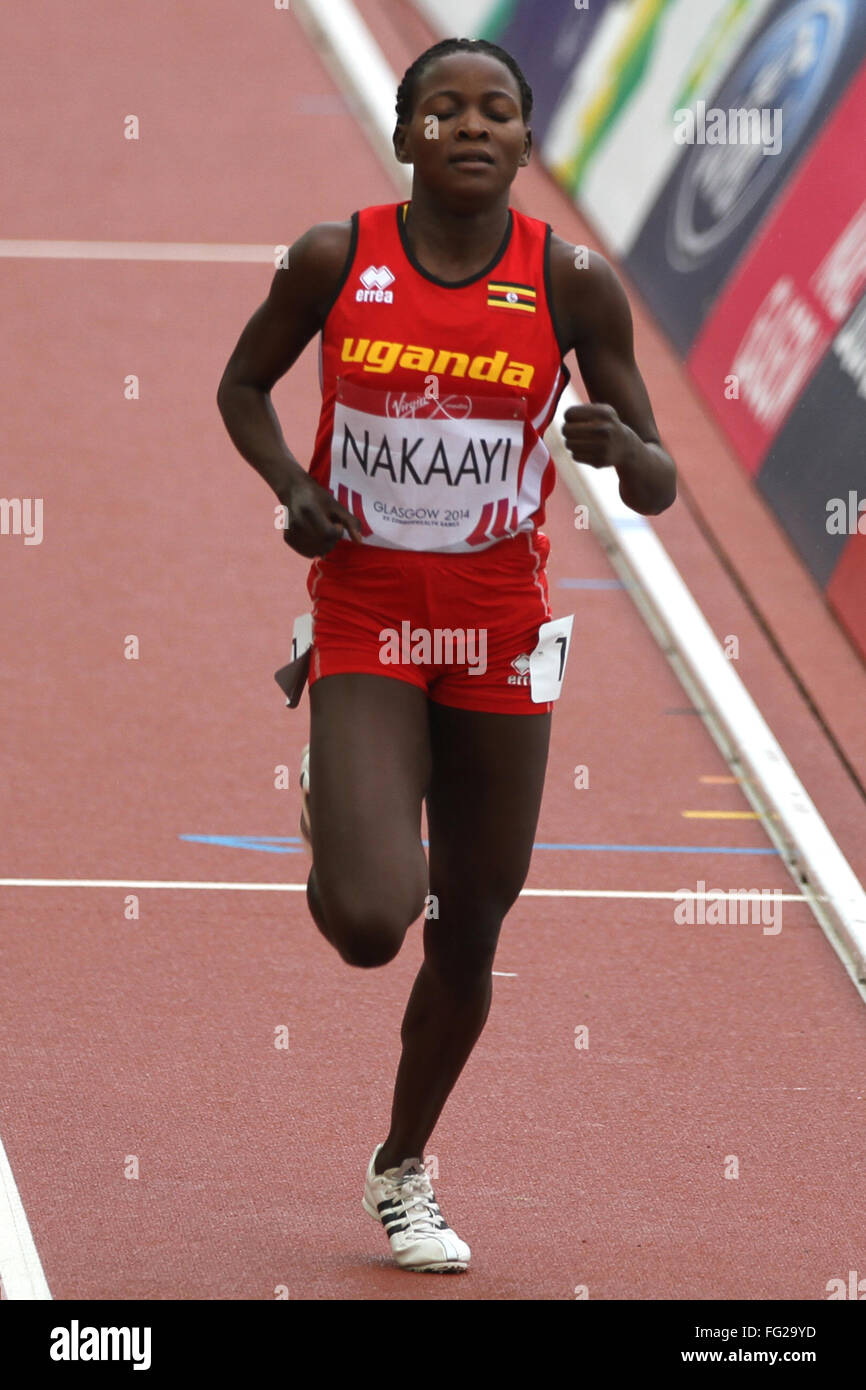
[{"x": 617, "y": 429}]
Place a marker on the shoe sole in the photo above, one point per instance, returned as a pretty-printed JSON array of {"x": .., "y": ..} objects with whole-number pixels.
[{"x": 445, "y": 1267}]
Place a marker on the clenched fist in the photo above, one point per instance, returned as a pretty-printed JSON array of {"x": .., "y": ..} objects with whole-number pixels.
[{"x": 595, "y": 434}]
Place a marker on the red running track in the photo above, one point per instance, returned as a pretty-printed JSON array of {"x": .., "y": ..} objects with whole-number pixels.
[{"x": 603, "y": 1166}]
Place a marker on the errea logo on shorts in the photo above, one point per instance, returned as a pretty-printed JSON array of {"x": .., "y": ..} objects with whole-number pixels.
[
  {"x": 376, "y": 282},
  {"x": 521, "y": 665}
]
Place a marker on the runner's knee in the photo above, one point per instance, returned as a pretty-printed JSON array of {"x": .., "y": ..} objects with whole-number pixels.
[
  {"x": 369, "y": 950},
  {"x": 370, "y": 933},
  {"x": 460, "y": 947}
]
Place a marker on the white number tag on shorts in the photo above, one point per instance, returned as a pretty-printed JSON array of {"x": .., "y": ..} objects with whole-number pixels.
[
  {"x": 302, "y": 635},
  {"x": 293, "y": 677},
  {"x": 547, "y": 662}
]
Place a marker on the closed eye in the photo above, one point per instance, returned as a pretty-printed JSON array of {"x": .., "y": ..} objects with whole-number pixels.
[{"x": 450, "y": 115}]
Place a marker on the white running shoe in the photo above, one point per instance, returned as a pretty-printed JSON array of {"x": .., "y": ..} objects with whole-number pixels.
[
  {"x": 305, "y": 798},
  {"x": 402, "y": 1199}
]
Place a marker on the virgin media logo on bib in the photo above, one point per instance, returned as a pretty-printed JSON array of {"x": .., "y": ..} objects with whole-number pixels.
[
  {"x": 400, "y": 404},
  {"x": 427, "y": 474}
]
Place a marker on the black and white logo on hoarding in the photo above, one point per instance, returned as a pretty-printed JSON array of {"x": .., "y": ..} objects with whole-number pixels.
[{"x": 785, "y": 74}]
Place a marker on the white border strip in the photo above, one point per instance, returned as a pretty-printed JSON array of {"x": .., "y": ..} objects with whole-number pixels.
[
  {"x": 20, "y": 1266},
  {"x": 790, "y": 818},
  {"x": 363, "y": 78},
  {"x": 149, "y": 883},
  {"x": 138, "y": 251}
]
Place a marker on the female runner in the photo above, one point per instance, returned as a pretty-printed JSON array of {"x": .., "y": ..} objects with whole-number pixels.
[{"x": 444, "y": 322}]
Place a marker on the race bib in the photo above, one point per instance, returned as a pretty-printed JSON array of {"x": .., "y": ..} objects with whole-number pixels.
[
  {"x": 547, "y": 662},
  {"x": 427, "y": 472}
]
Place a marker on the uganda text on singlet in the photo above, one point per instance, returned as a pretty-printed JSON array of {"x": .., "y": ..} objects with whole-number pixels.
[{"x": 435, "y": 396}]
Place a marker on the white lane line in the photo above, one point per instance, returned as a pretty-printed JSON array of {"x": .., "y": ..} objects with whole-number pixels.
[
  {"x": 678, "y": 895},
  {"x": 21, "y": 1272},
  {"x": 138, "y": 251},
  {"x": 149, "y": 883}
]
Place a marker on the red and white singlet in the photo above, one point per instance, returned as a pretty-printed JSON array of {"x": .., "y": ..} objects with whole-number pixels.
[{"x": 435, "y": 396}]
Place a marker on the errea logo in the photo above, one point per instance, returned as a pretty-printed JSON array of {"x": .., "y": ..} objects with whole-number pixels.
[
  {"x": 521, "y": 665},
  {"x": 376, "y": 282}
]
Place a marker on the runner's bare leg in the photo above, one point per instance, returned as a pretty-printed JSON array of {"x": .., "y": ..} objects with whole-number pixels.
[
  {"x": 369, "y": 770},
  {"x": 482, "y": 810}
]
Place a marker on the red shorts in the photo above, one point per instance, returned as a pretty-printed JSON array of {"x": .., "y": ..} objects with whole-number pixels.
[{"x": 460, "y": 627}]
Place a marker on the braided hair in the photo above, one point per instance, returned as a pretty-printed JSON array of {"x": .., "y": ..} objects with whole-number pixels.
[{"x": 407, "y": 88}]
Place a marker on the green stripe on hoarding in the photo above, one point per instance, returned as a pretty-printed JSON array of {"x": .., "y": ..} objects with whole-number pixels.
[{"x": 498, "y": 17}]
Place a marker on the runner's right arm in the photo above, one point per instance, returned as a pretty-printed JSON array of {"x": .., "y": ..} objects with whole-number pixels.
[{"x": 271, "y": 343}]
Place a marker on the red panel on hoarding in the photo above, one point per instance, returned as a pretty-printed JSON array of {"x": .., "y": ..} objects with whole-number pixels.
[
  {"x": 801, "y": 279},
  {"x": 847, "y": 590}
]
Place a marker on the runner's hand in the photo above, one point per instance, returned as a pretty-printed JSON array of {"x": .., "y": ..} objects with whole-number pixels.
[
  {"x": 317, "y": 521},
  {"x": 595, "y": 434}
]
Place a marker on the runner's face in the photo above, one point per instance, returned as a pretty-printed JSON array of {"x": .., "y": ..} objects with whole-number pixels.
[{"x": 476, "y": 140}]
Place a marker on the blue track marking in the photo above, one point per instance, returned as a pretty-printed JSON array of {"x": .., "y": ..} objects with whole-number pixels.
[
  {"x": 589, "y": 584},
  {"x": 292, "y": 844},
  {"x": 265, "y": 844}
]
